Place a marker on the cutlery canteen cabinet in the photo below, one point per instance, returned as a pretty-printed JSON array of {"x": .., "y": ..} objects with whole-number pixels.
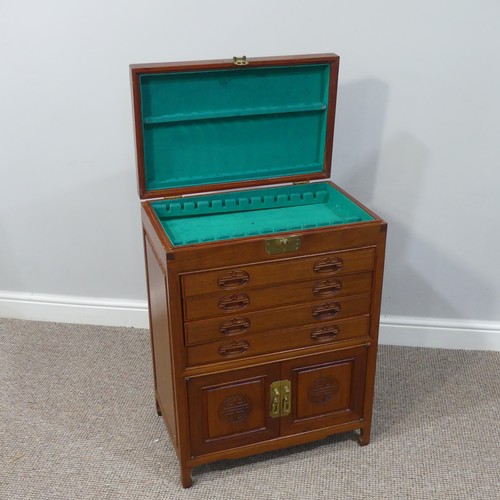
[{"x": 264, "y": 278}]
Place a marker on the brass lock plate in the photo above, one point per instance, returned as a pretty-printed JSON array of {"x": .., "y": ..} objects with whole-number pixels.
[
  {"x": 275, "y": 395},
  {"x": 280, "y": 398},
  {"x": 282, "y": 245},
  {"x": 286, "y": 398}
]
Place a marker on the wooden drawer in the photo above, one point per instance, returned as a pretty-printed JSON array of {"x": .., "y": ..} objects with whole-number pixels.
[
  {"x": 276, "y": 319},
  {"x": 241, "y": 278},
  {"x": 264, "y": 343},
  {"x": 252, "y": 299}
]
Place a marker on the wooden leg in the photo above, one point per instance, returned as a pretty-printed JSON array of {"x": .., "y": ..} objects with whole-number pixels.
[
  {"x": 364, "y": 436},
  {"x": 186, "y": 476},
  {"x": 158, "y": 409}
]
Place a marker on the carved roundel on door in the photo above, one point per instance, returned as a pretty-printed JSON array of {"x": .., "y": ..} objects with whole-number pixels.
[
  {"x": 323, "y": 389},
  {"x": 235, "y": 408}
]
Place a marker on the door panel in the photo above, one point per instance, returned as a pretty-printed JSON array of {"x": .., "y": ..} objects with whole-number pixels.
[
  {"x": 231, "y": 409},
  {"x": 327, "y": 389},
  {"x": 324, "y": 390}
]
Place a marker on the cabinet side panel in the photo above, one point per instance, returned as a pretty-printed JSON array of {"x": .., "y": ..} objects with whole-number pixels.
[
  {"x": 374, "y": 328},
  {"x": 160, "y": 336}
]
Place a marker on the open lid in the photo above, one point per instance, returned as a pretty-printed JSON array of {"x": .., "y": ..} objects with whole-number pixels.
[{"x": 214, "y": 125}]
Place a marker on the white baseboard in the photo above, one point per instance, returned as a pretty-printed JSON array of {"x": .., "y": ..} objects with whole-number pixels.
[
  {"x": 395, "y": 330},
  {"x": 441, "y": 333},
  {"x": 81, "y": 310}
]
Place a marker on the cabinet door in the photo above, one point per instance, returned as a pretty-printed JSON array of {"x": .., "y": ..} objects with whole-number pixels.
[
  {"x": 231, "y": 409},
  {"x": 326, "y": 390}
]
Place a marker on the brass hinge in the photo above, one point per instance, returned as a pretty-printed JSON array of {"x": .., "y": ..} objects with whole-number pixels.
[
  {"x": 281, "y": 398},
  {"x": 296, "y": 183},
  {"x": 174, "y": 197}
]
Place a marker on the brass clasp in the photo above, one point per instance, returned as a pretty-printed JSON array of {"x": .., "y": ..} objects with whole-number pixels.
[{"x": 240, "y": 61}]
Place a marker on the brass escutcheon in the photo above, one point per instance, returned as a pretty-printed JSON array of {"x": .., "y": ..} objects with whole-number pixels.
[
  {"x": 282, "y": 245},
  {"x": 281, "y": 398}
]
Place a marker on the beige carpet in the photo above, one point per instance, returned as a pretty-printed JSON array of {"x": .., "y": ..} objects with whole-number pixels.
[{"x": 78, "y": 421}]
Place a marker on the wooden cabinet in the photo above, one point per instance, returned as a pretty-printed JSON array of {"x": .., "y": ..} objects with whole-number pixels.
[
  {"x": 216, "y": 375},
  {"x": 249, "y": 405},
  {"x": 264, "y": 303}
]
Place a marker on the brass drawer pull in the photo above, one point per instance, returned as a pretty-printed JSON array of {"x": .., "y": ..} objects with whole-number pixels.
[
  {"x": 234, "y": 326},
  {"x": 328, "y": 265},
  {"x": 234, "y": 302},
  {"x": 326, "y": 311},
  {"x": 325, "y": 334},
  {"x": 233, "y": 279},
  {"x": 233, "y": 348},
  {"x": 327, "y": 287}
]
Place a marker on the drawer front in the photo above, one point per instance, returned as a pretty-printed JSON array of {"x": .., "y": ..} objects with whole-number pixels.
[
  {"x": 204, "y": 306},
  {"x": 242, "y": 278},
  {"x": 264, "y": 343},
  {"x": 276, "y": 319}
]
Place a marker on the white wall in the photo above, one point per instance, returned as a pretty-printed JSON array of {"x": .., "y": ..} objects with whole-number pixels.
[{"x": 417, "y": 137}]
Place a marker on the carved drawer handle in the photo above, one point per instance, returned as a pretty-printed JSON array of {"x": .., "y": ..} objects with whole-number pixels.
[
  {"x": 326, "y": 311},
  {"x": 328, "y": 265},
  {"x": 233, "y": 348},
  {"x": 327, "y": 287},
  {"x": 234, "y": 302},
  {"x": 234, "y": 326},
  {"x": 233, "y": 279},
  {"x": 325, "y": 334}
]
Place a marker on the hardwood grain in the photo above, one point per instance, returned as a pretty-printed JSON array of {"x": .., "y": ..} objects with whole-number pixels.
[
  {"x": 318, "y": 312},
  {"x": 280, "y": 341},
  {"x": 253, "y": 299},
  {"x": 283, "y": 269}
]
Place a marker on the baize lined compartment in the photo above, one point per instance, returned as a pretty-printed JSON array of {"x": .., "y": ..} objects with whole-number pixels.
[
  {"x": 210, "y": 127},
  {"x": 241, "y": 214}
]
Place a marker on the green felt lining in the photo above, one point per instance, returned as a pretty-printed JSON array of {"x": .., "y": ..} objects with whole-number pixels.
[
  {"x": 212, "y": 126},
  {"x": 225, "y": 216}
]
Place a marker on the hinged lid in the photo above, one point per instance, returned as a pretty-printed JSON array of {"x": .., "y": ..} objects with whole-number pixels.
[{"x": 206, "y": 126}]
